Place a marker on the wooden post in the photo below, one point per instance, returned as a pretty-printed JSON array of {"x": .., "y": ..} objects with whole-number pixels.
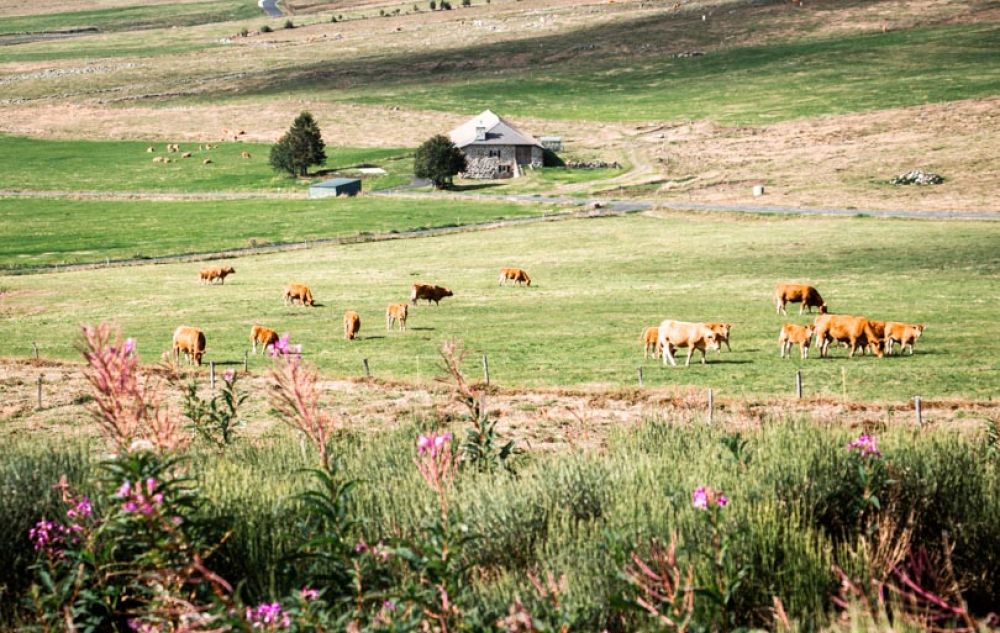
[
  {"x": 640, "y": 376},
  {"x": 711, "y": 406},
  {"x": 246, "y": 363},
  {"x": 39, "y": 391},
  {"x": 843, "y": 382},
  {"x": 211, "y": 375},
  {"x": 34, "y": 348},
  {"x": 798, "y": 384},
  {"x": 918, "y": 411},
  {"x": 368, "y": 373},
  {"x": 486, "y": 369}
]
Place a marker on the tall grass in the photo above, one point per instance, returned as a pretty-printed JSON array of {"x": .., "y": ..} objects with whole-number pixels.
[{"x": 580, "y": 513}]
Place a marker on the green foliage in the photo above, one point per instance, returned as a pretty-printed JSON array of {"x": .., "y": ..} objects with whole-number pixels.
[
  {"x": 438, "y": 160},
  {"x": 300, "y": 148},
  {"x": 131, "y": 18},
  {"x": 214, "y": 420},
  {"x": 266, "y": 28},
  {"x": 289, "y": 24}
]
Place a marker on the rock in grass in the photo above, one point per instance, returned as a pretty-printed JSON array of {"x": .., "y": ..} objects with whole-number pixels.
[{"x": 917, "y": 177}]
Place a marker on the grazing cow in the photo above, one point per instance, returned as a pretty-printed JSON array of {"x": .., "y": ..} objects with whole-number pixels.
[
  {"x": 186, "y": 155},
  {"x": 906, "y": 334},
  {"x": 855, "y": 331},
  {"x": 207, "y": 161},
  {"x": 191, "y": 341},
  {"x": 352, "y": 324},
  {"x": 430, "y": 293},
  {"x": 263, "y": 335},
  {"x": 721, "y": 333},
  {"x": 805, "y": 296},
  {"x": 792, "y": 334},
  {"x": 650, "y": 341},
  {"x": 150, "y": 149},
  {"x": 245, "y": 154},
  {"x": 396, "y": 312},
  {"x": 676, "y": 334},
  {"x": 209, "y": 275},
  {"x": 300, "y": 293},
  {"x": 518, "y": 275},
  {"x": 160, "y": 159}
]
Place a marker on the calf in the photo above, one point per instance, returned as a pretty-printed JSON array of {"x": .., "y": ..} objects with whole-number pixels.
[
  {"x": 721, "y": 333},
  {"x": 795, "y": 334},
  {"x": 191, "y": 341},
  {"x": 428, "y": 292},
  {"x": 855, "y": 331},
  {"x": 396, "y": 312},
  {"x": 300, "y": 293},
  {"x": 517, "y": 275},
  {"x": 675, "y": 334},
  {"x": 352, "y": 324},
  {"x": 265, "y": 336},
  {"x": 650, "y": 341},
  {"x": 209, "y": 275},
  {"x": 906, "y": 334},
  {"x": 805, "y": 296}
]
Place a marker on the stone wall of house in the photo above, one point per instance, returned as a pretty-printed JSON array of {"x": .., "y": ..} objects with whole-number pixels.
[{"x": 489, "y": 162}]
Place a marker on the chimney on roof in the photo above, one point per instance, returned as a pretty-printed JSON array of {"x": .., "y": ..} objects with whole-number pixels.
[{"x": 480, "y": 133}]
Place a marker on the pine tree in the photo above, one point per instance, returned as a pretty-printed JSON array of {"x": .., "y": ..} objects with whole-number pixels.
[
  {"x": 300, "y": 147},
  {"x": 439, "y": 160}
]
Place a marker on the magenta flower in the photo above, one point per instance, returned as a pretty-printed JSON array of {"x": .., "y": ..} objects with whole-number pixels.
[
  {"x": 866, "y": 444},
  {"x": 129, "y": 347},
  {"x": 283, "y": 348},
  {"x": 703, "y": 497},
  {"x": 45, "y": 535},
  {"x": 309, "y": 594},
  {"x": 83, "y": 509},
  {"x": 432, "y": 444},
  {"x": 424, "y": 444},
  {"x": 124, "y": 490},
  {"x": 229, "y": 375},
  {"x": 268, "y": 616},
  {"x": 722, "y": 501},
  {"x": 389, "y": 605},
  {"x": 361, "y": 547}
]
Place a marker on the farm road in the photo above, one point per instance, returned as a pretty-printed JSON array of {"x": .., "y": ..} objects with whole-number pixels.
[{"x": 270, "y": 7}]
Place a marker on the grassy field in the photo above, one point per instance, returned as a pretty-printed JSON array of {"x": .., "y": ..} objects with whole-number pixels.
[
  {"x": 47, "y": 231},
  {"x": 45, "y": 165},
  {"x": 134, "y": 17},
  {"x": 597, "y": 283},
  {"x": 743, "y": 85}
]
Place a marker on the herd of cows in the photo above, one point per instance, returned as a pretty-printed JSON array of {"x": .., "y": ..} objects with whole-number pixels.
[{"x": 856, "y": 332}]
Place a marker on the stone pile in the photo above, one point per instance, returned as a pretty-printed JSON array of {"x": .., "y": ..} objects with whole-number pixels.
[
  {"x": 917, "y": 177},
  {"x": 592, "y": 164}
]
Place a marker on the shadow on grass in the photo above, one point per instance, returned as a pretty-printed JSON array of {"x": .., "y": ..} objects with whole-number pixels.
[{"x": 474, "y": 187}]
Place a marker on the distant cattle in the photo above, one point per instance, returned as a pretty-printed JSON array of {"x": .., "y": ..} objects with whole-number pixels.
[
  {"x": 300, "y": 293},
  {"x": 428, "y": 292},
  {"x": 207, "y": 161},
  {"x": 906, "y": 334},
  {"x": 190, "y": 341},
  {"x": 263, "y": 335},
  {"x": 150, "y": 149},
  {"x": 800, "y": 335},
  {"x": 245, "y": 154},
  {"x": 186, "y": 155},
  {"x": 209, "y": 275},
  {"x": 173, "y": 148},
  {"x": 517, "y": 275},
  {"x": 806, "y": 296},
  {"x": 694, "y": 336},
  {"x": 396, "y": 313},
  {"x": 650, "y": 341},
  {"x": 721, "y": 333},
  {"x": 857, "y": 332},
  {"x": 352, "y": 324}
]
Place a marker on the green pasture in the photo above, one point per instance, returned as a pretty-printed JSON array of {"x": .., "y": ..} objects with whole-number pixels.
[
  {"x": 135, "y": 17},
  {"x": 597, "y": 283},
  {"x": 36, "y": 231},
  {"x": 51, "y": 165},
  {"x": 742, "y": 85}
]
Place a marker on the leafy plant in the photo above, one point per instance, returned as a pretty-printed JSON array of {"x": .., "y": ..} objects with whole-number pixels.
[
  {"x": 301, "y": 147},
  {"x": 215, "y": 420}
]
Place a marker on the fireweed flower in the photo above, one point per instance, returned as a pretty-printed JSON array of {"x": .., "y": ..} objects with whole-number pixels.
[
  {"x": 129, "y": 347},
  {"x": 866, "y": 444},
  {"x": 140, "y": 498},
  {"x": 699, "y": 498},
  {"x": 283, "y": 348},
  {"x": 229, "y": 375},
  {"x": 82, "y": 510},
  {"x": 46, "y": 535},
  {"x": 703, "y": 497},
  {"x": 309, "y": 594},
  {"x": 432, "y": 444},
  {"x": 268, "y": 616}
]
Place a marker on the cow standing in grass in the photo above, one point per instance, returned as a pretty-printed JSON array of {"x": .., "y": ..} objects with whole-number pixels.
[
  {"x": 805, "y": 296},
  {"x": 352, "y": 324},
  {"x": 693, "y": 336},
  {"x": 190, "y": 341}
]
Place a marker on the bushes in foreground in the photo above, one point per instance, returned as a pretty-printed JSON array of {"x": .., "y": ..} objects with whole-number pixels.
[{"x": 682, "y": 524}]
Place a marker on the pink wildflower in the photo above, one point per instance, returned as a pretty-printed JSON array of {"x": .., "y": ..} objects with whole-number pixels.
[
  {"x": 722, "y": 501},
  {"x": 129, "y": 347},
  {"x": 83, "y": 509},
  {"x": 309, "y": 594},
  {"x": 229, "y": 375},
  {"x": 45, "y": 535},
  {"x": 268, "y": 616},
  {"x": 124, "y": 490},
  {"x": 699, "y": 498},
  {"x": 424, "y": 444},
  {"x": 866, "y": 445}
]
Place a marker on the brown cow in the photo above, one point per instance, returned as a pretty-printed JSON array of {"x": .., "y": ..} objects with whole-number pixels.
[
  {"x": 209, "y": 275},
  {"x": 352, "y": 324},
  {"x": 191, "y": 341},
  {"x": 675, "y": 334},
  {"x": 300, "y": 293},
  {"x": 650, "y": 341},
  {"x": 396, "y": 312},
  {"x": 428, "y": 292},
  {"x": 721, "y": 333},
  {"x": 855, "y": 331},
  {"x": 792, "y": 334},
  {"x": 906, "y": 334},
  {"x": 805, "y": 296},
  {"x": 263, "y": 335},
  {"x": 518, "y": 275}
]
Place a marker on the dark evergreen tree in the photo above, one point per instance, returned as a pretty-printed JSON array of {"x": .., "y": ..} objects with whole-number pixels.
[
  {"x": 300, "y": 147},
  {"x": 439, "y": 160}
]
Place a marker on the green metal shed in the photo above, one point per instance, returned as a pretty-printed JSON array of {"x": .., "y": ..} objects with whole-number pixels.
[{"x": 335, "y": 187}]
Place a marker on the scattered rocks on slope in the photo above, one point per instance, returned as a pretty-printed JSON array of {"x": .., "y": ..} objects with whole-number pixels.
[
  {"x": 917, "y": 177},
  {"x": 592, "y": 164}
]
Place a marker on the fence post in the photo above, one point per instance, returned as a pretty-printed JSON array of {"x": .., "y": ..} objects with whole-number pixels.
[
  {"x": 246, "y": 362},
  {"x": 34, "y": 348},
  {"x": 211, "y": 375},
  {"x": 486, "y": 369},
  {"x": 640, "y": 376},
  {"x": 711, "y": 406},
  {"x": 918, "y": 411},
  {"x": 368, "y": 373},
  {"x": 39, "y": 391},
  {"x": 798, "y": 384}
]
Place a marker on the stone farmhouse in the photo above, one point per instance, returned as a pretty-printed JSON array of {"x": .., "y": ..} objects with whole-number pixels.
[{"x": 494, "y": 148}]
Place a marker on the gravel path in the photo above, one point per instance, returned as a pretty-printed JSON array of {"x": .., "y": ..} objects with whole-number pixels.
[{"x": 270, "y": 7}]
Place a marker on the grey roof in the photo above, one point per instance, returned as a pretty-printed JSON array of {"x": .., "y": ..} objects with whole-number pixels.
[
  {"x": 498, "y": 132},
  {"x": 335, "y": 182}
]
